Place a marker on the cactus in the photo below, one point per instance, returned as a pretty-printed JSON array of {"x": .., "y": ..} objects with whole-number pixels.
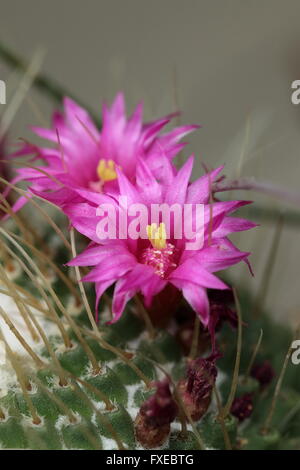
[
  {"x": 69, "y": 385},
  {"x": 150, "y": 380}
]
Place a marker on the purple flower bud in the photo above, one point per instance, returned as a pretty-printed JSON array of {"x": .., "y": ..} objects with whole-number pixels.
[
  {"x": 201, "y": 376},
  {"x": 242, "y": 407},
  {"x": 152, "y": 424},
  {"x": 160, "y": 408},
  {"x": 263, "y": 373}
]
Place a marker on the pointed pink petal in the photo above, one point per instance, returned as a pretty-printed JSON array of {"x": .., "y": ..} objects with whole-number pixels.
[
  {"x": 198, "y": 300},
  {"x": 216, "y": 258},
  {"x": 147, "y": 183},
  {"x": 111, "y": 269},
  {"x": 151, "y": 130},
  {"x": 196, "y": 296},
  {"x": 18, "y": 205},
  {"x": 177, "y": 190},
  {"x": 117, "y": 109},
  {"x": 199, "y": 191},
  {"x": 151, "y": 288},
  {"x": 233, "y": 224},
  {"x": 134, "y": 125},
  {"x": 172, "y": 137},
  {"x": 128, "y": 286},
  {"x": 215, "y": 213},
  {"x": 100, "y": 287},
  {"x": 78, "y": 118},
  {"x": 47, "y": 134},
  {"x": 192, "y": 271},
  {"x": 120, "y": 300},
  {"x": 60, "y": 197},
  {"x": 94, "y": 255},
  {"x": 137, "y": 277},
  {"x": 230, "y": 246},
  {"x": 127, "y": 189}
]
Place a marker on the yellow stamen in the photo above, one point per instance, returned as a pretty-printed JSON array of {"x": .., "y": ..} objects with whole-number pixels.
[
  {"x": 157, "y": 235},
  {"x": 106, "y": 170}
]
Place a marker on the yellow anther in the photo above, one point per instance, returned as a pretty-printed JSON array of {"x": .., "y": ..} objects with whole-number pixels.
[
  {"x": 106, "y": 170},
  {"x": 157, "y": 235}
]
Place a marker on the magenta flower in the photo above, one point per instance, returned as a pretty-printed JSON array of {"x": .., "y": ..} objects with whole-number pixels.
[
  {"x": 84, "y": 159},
  {"x": 148, "y": 265}
]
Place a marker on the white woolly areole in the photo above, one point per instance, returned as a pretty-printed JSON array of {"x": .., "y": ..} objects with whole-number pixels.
[{"x": 7, "y": 373}]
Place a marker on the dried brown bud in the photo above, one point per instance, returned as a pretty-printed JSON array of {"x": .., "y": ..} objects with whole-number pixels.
[
  {"x": 152, "y": 424},
  {"x": 196, "y": 389}
]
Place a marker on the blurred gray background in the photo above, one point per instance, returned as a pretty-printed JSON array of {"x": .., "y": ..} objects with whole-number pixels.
[{"x": 228, "y": 64}]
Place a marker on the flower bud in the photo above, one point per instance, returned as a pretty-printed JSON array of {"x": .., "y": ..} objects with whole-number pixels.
[
  {"x": 242, "y": 406},
  {"x": 196, "y": 389},
  {"x": 152, "y": 424}
]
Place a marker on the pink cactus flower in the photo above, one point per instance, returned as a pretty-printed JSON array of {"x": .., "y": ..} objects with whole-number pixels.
[
  {"x": 84, "y": 159},
  {"x": 148, "y": 265}
]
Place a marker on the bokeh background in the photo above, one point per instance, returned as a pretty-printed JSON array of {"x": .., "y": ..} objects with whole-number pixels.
[{"x": 227, "y": 64}]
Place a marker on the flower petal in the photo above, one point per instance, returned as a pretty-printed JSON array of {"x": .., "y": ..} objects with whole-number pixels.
[
  {"x": 192, "y": 271},
  {"x": 199, "y": 191}
]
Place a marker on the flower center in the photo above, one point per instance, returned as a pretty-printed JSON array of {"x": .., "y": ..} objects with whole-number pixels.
[
  {"x": 160, "y": 256},
  {"x": 157, "y": 235},
  {"x": 106, "y": 170}
]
